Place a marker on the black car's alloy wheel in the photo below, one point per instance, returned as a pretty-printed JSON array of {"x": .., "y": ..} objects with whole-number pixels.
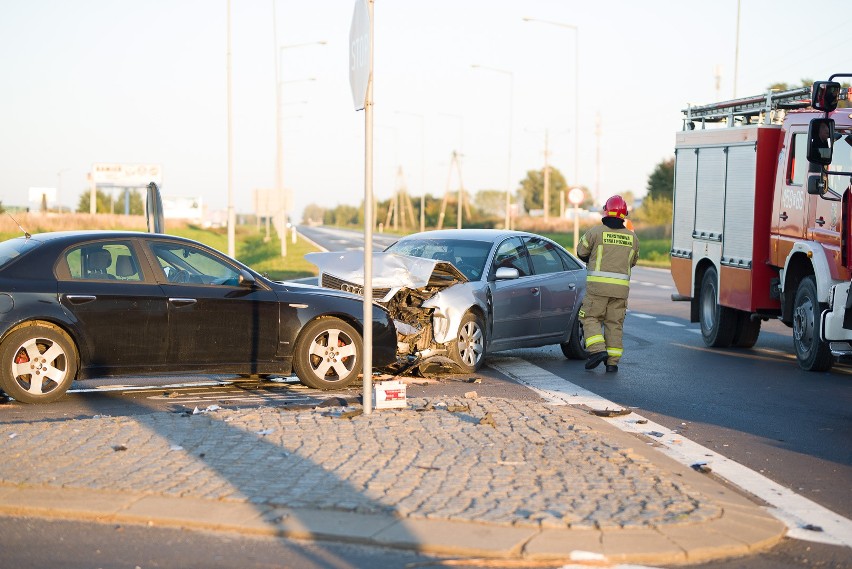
[
  {"x": 328, "y": 354},
  {"x": 38, "y": 363}
]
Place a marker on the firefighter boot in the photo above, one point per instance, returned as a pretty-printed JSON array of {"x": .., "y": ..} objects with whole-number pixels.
[
  {"x": 611, "y": 368},
  {"x": 595, "y": 360}
]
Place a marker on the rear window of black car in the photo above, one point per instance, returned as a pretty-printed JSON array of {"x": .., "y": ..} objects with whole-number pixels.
[{"x": 14, "y": 248}]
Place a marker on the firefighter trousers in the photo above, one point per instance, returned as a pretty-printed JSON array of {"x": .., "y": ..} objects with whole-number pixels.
[{"x": 609, "y": 312}]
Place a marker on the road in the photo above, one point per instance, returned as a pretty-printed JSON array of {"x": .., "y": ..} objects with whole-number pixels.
[{"x": 756, "y": 407}]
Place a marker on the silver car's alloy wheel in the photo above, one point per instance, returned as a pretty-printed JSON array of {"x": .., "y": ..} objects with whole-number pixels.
[{"x": 469, "y": 349}]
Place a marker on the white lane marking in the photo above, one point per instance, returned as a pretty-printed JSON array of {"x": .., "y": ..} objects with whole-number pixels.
[
  {"x": 695, "y": 330},
  {"x": 796, "y": 511},
  {"x": 670, "y": 323},
  {"x": 642, "y": 315}
]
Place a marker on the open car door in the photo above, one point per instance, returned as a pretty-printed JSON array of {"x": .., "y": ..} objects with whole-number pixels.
[{"x": 154, "y": 210}]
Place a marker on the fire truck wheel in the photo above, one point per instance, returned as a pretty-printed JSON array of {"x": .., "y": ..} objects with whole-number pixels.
[
  {"x": 812, "y": 353},
  {"x": 718, "y": 323},
  {"x": 747, "y": 330}
]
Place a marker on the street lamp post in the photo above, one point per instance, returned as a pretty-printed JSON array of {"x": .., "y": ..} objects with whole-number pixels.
[
  {"x": 576, "y": 90},
  {"x": 279, "y": 154},
  {"x": 231, "y": 218},
  {"x": 511, "y": 75}
]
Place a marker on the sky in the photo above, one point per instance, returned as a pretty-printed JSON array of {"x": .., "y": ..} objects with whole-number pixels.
[{"x": 115, "y": 81}]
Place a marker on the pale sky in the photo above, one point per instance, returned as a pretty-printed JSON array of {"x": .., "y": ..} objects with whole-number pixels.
[{"x": 93, "y": 81}]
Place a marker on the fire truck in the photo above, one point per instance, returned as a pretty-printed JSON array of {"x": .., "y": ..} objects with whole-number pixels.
[{"x": 762, "y": 221}]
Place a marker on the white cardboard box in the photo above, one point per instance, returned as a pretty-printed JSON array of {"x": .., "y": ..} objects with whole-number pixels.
[{"x": 389, "y": 395}]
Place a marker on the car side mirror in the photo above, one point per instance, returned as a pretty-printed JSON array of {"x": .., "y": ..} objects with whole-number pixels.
[
  {"x": 246, "y": 279},
  {"x": 824, "y": 96},
  {"x": 818, "y": 183},
  {"x": 820, "y": 141},
  {"x": 506, "y": 273}
]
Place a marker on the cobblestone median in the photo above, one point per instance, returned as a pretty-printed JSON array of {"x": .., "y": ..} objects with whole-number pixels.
[{"x": 505, "y": 462}]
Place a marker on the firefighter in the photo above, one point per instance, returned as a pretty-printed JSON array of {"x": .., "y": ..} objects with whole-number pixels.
[{"x": 609, "y": 250}]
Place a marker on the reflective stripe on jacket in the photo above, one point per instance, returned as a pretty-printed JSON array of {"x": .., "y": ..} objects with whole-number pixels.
[{"x": 612, "y": 253}]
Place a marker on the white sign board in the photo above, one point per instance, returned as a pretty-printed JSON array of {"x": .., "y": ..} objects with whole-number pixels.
[
  {"x": 575, "y": 196},
  {"x": 126, "y": 175},
  {"x": 359, "y": 54}
]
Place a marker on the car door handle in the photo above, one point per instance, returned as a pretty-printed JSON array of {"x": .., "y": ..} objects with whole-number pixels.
[
  {"x": 820, "y": 222},
  {"x": 182, "y": 301},
  {"x": 80, "y": 298},
  {"x": 783, "y": 216},
  {"x": 572, "y": 286},
  {"x": 535, "y": 290}
]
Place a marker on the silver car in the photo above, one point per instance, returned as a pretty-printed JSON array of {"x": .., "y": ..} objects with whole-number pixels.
[{"x": 458, "y": 294}]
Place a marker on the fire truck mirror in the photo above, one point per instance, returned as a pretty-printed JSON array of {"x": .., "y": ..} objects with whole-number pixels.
[
  {"x": 817, "y": 183},
  {"x": 820, "y": 141},
  {"x": 825, "y": 94}
]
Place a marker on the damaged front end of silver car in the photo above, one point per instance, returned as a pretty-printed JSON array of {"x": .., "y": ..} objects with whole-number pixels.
[{"x": 415, "y": 293}]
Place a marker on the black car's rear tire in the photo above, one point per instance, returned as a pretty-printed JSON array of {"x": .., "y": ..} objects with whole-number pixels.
[
  {"x": 468, "y": 349},
  {"x": 575, "y": 347},
  {"x": 328, "y": 354},
  {"x": 38, "y": 363}
]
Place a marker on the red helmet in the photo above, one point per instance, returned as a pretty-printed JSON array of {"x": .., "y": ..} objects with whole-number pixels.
[{"x": 615, "y": 207}]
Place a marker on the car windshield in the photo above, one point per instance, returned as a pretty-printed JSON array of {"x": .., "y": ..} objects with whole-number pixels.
[
  {"x": 13, "y": 248},
  {"x": 468, "y": 256}
]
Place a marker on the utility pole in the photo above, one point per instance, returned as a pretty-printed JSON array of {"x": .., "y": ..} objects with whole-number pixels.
[
  {"x": 546, "y": 178},
  {"x": 598, "y": 157}
]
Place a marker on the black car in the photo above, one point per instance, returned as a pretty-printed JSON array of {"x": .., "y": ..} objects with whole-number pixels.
[{"x": 82, "y": 304}]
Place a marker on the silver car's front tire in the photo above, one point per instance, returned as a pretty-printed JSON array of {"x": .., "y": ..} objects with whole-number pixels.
[{"x": 468, "y": 350}]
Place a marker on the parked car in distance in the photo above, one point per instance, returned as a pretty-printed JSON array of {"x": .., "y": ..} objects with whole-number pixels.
[
  {"x": 458, "y": 294},
  {"x": 82, "y": 304}
]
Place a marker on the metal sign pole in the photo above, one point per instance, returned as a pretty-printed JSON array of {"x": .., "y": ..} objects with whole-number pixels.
[{"x": 361, "y": 82}]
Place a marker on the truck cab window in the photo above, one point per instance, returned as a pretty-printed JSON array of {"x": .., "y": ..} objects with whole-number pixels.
[{"x": 798, "y": 163}]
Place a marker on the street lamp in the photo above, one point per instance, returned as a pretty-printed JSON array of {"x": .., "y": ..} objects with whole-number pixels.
[
  {"x": 576, "y": 89},
  {"x": 509, "y": 160},
  {"x": 279, "y": 154}
]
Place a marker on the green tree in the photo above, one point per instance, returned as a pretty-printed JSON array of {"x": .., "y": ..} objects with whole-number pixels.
[
  {"x": 313, "y": 213},
  {"x": 655, "y": 211},
  {"x": 532, "y": 189},
  {"x": 111, "y": 203},
  {"x": 661, "y": 180}
]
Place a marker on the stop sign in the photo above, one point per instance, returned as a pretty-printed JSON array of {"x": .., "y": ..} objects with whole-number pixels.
[
  {"x": 359, "y": 53},
  {"x": 575, "y": 196}
]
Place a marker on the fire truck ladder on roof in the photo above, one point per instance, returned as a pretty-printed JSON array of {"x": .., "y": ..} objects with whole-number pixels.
[{"x": 748, "y": 107}]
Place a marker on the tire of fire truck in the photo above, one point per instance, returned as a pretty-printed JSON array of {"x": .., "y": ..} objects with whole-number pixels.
[
  {"x": 747, "y": 330},
  {"x": 812, "y": 353},
  {"x": 718, "y": 323}
]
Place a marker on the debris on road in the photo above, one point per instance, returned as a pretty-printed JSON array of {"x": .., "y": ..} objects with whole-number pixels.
[{"x": 610, "y": 412}]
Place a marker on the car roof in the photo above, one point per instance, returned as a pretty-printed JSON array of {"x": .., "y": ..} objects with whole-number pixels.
[
  {"x": 468, "y": 234},
  {"x": 79, "y": 235}
]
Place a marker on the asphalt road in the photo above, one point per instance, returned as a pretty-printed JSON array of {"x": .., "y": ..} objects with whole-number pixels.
[{"x": 753, "y": 406}]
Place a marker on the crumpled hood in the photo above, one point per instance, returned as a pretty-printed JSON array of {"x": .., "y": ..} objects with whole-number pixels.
[{"x": 390, "y": 270}]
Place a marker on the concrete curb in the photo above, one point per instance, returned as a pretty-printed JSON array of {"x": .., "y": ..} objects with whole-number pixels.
[{"x": 741, "y": 530}]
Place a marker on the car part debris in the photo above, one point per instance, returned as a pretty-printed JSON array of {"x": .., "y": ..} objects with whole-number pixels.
[
  {"x": 701, "y": 467},
  {"x": 610, "y": 412},
  {"x": 488, "y": 419}
]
